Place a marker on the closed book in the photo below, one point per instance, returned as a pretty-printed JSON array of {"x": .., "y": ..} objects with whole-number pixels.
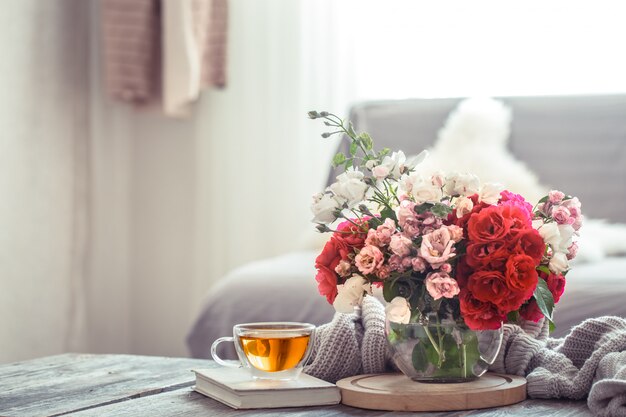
[{"x": 236, "y": 388}]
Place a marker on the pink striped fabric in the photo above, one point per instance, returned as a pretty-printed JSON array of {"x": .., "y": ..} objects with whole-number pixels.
[{"x": 132, "y": 37}]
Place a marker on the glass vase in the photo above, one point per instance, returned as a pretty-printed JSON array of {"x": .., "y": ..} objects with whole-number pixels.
[{"x": 442, "y": 351}]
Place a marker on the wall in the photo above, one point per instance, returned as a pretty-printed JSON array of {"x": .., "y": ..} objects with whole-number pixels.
[{"x": 43, "y": 174}]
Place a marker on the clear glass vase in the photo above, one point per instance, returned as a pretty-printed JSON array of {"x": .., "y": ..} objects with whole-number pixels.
[{"x": 442, "y": 351}]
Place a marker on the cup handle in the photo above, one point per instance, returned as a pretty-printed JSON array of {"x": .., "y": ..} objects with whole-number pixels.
[{"x": 217, "y": 358}]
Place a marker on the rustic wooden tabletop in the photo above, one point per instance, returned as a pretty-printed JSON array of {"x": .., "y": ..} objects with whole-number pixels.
[{"x": 127, "y": 385}]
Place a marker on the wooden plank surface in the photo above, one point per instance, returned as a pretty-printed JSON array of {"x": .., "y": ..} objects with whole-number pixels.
[
  {"x": 57, "y": 385},
  {"x": 126, "y": 385},
  {"x": 187, "y": 403}
]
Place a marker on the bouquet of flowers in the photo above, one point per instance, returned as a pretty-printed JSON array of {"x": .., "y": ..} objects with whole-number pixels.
[{"x": 442, "y": 245}]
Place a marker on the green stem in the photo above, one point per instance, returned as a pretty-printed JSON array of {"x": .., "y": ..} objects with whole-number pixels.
[{"x": 432, "y": 340}]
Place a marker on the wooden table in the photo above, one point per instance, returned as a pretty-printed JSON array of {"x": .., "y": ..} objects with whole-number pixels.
[{"x": 126, "y": 385}]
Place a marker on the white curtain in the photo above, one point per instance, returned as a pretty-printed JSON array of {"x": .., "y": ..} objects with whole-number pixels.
[{"x": 43, "y": 177}]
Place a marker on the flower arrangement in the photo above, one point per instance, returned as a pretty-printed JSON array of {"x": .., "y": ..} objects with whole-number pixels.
[{"x": 443, "y": 245}]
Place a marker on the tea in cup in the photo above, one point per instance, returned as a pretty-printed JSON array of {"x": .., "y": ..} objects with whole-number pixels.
[{"x": 273, "y": 350}]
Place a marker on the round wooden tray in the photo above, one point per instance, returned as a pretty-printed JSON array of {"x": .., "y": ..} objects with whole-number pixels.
[{"x": 396, "y": 392}]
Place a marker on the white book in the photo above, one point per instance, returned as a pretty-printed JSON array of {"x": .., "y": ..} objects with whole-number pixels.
[{"x": 236, "y": 388}]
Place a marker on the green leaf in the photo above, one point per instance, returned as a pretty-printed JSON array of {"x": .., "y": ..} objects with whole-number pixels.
[
  {"x": 351, "y": 131},
  {"x": 384, "y": 152},
  {"x": 387, "y": 213},
  {"x": 552, "y": 326},
  {"x": 419, "y": 357},
  {"x": 543, "y": 200},
  {"x": 423, "y": 208},
  {"x": 513, "y": 316},
  {"x": 366, "y": 140},
  {"x": 339, "y": 159},
  {"x": 543, "y": 268},
  {"x": 353, "y": 148},
  {"x": 441, "y": 210},
  {"x": 390, "y": 291},
  {"x": 544, "y": 299}
]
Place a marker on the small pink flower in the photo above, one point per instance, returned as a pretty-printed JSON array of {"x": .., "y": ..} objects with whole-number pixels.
[
  {"x": 407, "y": 263},
  {"x": 555, "y": 196},
  {"x": 369, "y": 259},
  {"x": 395, "y": 263},
  {"x": 437, "y": 247},
  {"x": 572, "y": 251},
  {"x": 418, "y": 264},
  {"x": 562, "y": 215},
  {"x": 447, "y": 268},
  {"x": 400, "y": 245},
  {"x": 440, "y": 284},
  {"x": 456, "y": 232},
  {"x": 406, "y": 211},
  {"x": 385, "y": 231},
  {"x": 383, "y": 272},
  {"x": 343, "y": 268},
  {"x": 372, "y": 238}
]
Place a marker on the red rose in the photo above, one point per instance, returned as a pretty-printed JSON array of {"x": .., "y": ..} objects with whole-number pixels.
[
  {"x": 517, "y": 217},
  {"x": 530, "y": 311},
  {"x": 489, "y": 286},
  {"x": 556, "y": 285},
  {"x": 529, "y": 242},
  {"x": 334, "y": 251},
  {"x": 479, "y": 315},
  {"x": 492, "y": 255},
  {"x": 356, "y": 237},
  {"x": 488, "y": 225},
  {"x": 521, "y": 275},
  {"x": 326, "y": 283}
]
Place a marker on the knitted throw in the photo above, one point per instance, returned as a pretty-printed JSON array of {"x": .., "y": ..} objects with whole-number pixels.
[{"x": 589, "y": 362}]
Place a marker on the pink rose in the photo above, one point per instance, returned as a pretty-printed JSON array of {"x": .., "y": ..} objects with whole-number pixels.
[
  {"x": 407, "y": 219},
  {"x": 369, "y": 259},
  {"x": 446, "y": 268},
  {"x": 572, "y": 251},
  {"x": 555, "y": 196},
  {"x": 343, "y": 268},
  {"x": 372, "y": 238},
  {"x": 400, "y": 245},
  {"x": 385, "y": 231},
  {"x": 383, "y": 272},
  {"x": 456, "y": 232},
  {"x": 440, "y": 284},
  {"x": 418, "y": 264},
  {"x": 562, "y": 215},
  {"x": 407, "y": 263},
  {"x": 395, "y": 263},
  {"x": 463, "y": 206},
  {"x": 437, "y": 247}
]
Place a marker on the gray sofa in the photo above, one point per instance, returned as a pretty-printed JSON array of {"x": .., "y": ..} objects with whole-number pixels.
[{"x": 587, "y": 132}]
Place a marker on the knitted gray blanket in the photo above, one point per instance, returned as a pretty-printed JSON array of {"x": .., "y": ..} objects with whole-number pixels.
[{"x": 589, "y": 362}]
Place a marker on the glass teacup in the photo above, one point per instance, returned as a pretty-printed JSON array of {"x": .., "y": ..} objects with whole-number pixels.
[{"x": 272, "y": 350}]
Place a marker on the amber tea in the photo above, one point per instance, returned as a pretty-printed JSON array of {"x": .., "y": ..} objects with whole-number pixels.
[
  {"x": 274, "y": 353},
  {"x": 270, "y": 350}
]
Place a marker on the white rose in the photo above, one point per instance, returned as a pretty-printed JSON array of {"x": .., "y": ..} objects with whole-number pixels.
[
  {"x": 413, "y": 161},
  {"x": 490, "y": 193},
  {"x": 462, "y": 184},
  {"x": 350, "y": 187},
  {"x": 550, "y": 234},
  {"x": 421, "y": 189},
  {"x": 398, "y": 310},
  {"x": 324, "y": 208},
  {"x": 380, "y": 171},
  {"x": 393, "y": 165},
  {"x": 558, "y": 264},
  {"x": 350, "y": 294},
  {"x": 463, "y": 206},
  {"x": 566, "y": 231}
]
